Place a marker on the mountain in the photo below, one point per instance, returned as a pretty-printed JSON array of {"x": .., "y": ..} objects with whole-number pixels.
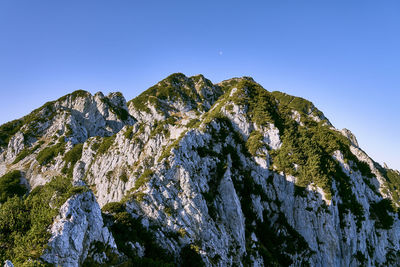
[{"x": 192, "y": 173}]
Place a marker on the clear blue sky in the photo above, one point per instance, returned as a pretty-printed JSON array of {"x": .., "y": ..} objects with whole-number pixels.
[{"x": 342, "y": 55}]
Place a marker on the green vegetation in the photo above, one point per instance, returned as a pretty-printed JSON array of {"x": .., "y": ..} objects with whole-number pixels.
[
  {"x": 380, "y": 212},
  {"x": 105, "y": 145},
  {"x": 297, "y": 103},
  {"x": 74, "y": 95},
  {"x": 278, "y": 240},
  {"x": 69, "y": 131},
  {"x": 129, "y": 132},
  {"x": 161, "y": 127},
  {"x": 10, "y": 186},
  {"x": 262, "y": 107},
  {"x": 168, "y": 89},
  {"x": 192, "y": 123},
  {"x": 229, "y": 107},
  {"x": 167, "y": 151},
  {"x": 70, "y": 159},
  {"x": 168, "y": 211},
  {"x": 182, "y": 232},
  {"x": 362, "y": 260},
  {"x": 113, "y": 207},
  {"x": 113, "y": 259},
  {"x": 176, "y": 87},
  {"x": 306, "y": 151},
  {"x": 254, "y": 142},
  {"x": 311, "y": 148},
  {"x": 121, "y": 113},
  {"x": 27, "y": 151},
  {"x": 109, "y": 175},
  {"x": 143, "y": 179},
  {"x": 8, "y": 129},
  {"x": 127, "y": 229},
  {"x": 24, "y": 221},
  {"x": 31, "y": 121},
  {"x": 392, "y": 183},
  {"x": 46, "y": 155},
  {"x": 123, "y": 177},
  {"x": 139, "y": 196}
]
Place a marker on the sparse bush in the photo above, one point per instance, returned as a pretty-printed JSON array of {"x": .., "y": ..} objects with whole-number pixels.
[
  {"x": 109, "y": 175},
  {"x": 123, "y": 177},
  {"x": 129, "y": 132},
  {"x": 46, "y": 155},
  {"x": 7, "y": 130},
  {"x": 182, "y": 232},
  {"x": 127, "y": 229},
  {"x": 106, "y": 144},
  {"x": 144, "y": 178},
  {"x": 113, "y": 207},
  {"x": 71, "y": 157},
  {"x": 168, "y": 211},
  {"x": 25, "y": 152}
]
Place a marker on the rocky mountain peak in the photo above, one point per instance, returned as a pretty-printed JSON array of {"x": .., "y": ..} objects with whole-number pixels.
[
  {"x": 350, "y": 136},
  {"x": 192, "y": 173}
]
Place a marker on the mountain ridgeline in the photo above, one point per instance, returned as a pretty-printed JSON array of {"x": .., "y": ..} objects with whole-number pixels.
[{"x": 191, "y": 173}]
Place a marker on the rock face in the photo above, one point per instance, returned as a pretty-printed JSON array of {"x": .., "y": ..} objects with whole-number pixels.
[
  {"x": 78, "y": 225},
  {"x": 229, "y": 174}
]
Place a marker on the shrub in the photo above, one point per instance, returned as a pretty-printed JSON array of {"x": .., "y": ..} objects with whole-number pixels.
[
  {"x": 229, "y": 107},
  {"x": 182, "y": 232},
  {"x": 113, "y": 207},
  {"x": 71, "y": 157},
  {"x": 109, "y": 174},
  {"x": 380, "y": 212},
  {"x": 139, "y": 196},
  {"x": 106, "y": 144},
  {"x": 74, "y": 95},
  {"x": 123, "y": 177},
  {"x": 21, "y": 155},
  {"x": 74, "y": 154},
  {"x": 193, "y": 123},
  {"x": 121, "y": 113},
  {"x": 254, "y": 142},
  {"x": 168, "y": 211},
  {"x": 393, "y": 183},
  {"x": 127, "y": 229},
  {"x": 24, "y": 221},
  {"x": 159, "y": 128},
  {"x": 129, "y": 132},
  {"x": 10, "y": 185},
  {"x": 167, "y": 151},
  {"x": 46, "y": 155},
  {"x": 7, "y": 130},
  {"x": 25, "y": 152},
  {"x": 144, "y": 178}
]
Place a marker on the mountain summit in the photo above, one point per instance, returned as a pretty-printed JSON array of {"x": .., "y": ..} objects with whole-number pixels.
[{"x": 192, "y": 173}]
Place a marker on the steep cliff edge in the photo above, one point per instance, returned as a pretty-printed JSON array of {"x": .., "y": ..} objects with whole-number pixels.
[{"x": 193, "y": 173}]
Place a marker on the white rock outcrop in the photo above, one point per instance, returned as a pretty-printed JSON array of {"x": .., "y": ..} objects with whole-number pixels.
[{"x": 78, "y": 225}]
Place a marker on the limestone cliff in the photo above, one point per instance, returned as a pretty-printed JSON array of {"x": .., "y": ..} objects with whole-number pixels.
[{"x": 196, "y": 173}]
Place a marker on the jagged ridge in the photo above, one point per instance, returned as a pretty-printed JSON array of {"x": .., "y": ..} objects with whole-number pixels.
[{"x": 224, "y": 174}]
